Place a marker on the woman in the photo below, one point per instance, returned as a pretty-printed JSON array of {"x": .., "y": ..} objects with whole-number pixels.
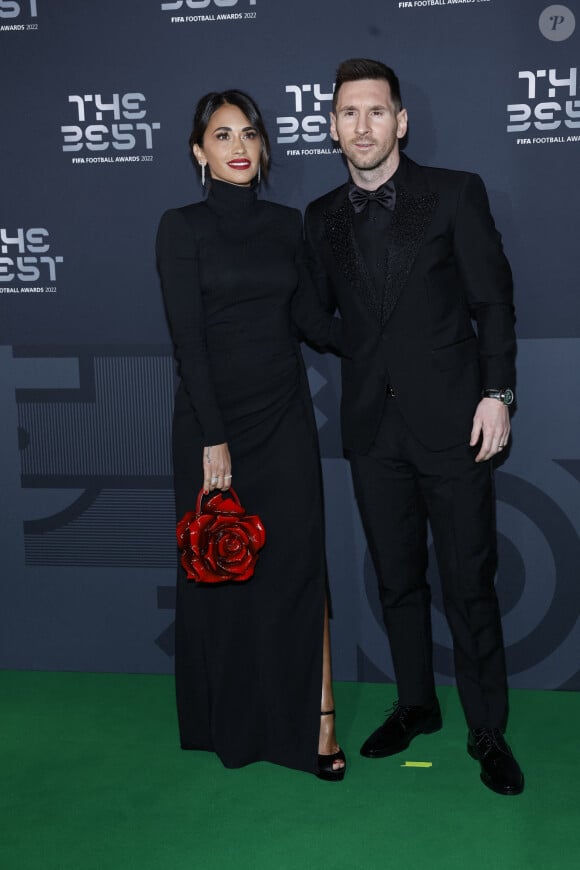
[{"x": 249, "y": 656}]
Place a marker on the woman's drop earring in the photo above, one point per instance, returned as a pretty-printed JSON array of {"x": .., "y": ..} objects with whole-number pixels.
[
  {"x": 259, "y": 172},
  {"x": 203, "y": 174}
]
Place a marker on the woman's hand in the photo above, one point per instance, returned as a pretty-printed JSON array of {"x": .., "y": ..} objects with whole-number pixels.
[{"x": 217, "y": 467}]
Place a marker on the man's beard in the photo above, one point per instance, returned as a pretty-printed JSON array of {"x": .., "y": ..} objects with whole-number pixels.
[{"x": 370, "y": 167}]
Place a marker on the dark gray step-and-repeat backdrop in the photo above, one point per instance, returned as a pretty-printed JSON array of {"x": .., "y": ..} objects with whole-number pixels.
[{"x": 96, "y": 100}]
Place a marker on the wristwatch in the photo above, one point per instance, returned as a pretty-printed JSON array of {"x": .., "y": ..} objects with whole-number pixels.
[{"x": 505, "y": 395}]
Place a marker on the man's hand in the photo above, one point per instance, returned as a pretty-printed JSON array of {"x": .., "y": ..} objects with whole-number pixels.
[
  {"x": 217, "y": 467},
  {"x": 491, "y": 423}
]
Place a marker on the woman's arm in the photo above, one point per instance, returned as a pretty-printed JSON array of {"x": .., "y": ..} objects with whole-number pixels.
[
  {"x": 177, "y": 260},
  {"x": 314, "y": 323}
]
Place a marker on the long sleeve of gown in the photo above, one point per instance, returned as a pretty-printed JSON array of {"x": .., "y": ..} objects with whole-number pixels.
[{"x": 177, "y": 260}]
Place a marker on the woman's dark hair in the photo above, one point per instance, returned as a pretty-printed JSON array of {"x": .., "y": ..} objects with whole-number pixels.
[
  {"x": 213, "y": 101},
  {"x": 358, "y": 68}
]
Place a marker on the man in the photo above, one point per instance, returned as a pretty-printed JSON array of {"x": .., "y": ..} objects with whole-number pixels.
[{"x": 411, "y": 258}]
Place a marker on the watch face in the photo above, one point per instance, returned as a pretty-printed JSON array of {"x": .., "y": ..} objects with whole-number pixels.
[{"x": 508, "y": 396}]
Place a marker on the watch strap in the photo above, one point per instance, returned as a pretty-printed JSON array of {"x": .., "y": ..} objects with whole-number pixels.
[{"x": 505, "y": 395}]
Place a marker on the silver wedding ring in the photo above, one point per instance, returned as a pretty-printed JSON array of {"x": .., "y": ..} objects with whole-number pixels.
[{"x": 227, "y": 477}]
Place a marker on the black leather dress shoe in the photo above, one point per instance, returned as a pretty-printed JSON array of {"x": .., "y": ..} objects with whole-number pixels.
[
  {"x": 499, "y": 770},
  {"x": 400, "y": 727}
]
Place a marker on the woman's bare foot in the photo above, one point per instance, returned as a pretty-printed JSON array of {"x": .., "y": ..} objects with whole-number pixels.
[{"x": 327, "y": 744}]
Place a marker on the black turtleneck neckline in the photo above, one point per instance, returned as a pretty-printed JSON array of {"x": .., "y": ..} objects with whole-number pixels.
[{"x": 225, "y": 197}]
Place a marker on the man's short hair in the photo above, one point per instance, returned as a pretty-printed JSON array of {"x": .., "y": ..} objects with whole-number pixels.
[{"x": 358, "y": 68}]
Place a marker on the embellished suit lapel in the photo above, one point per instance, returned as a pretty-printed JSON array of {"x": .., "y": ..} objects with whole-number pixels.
[
  {"x": 347, "y": 254},
  {"x": 411, "y": 218}
]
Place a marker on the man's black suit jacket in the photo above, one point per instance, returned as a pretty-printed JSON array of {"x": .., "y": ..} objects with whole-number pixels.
[{"x": 441, "y": 328}]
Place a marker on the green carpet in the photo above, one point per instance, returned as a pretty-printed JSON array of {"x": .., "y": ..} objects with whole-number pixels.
[{"x": 92, "y": 777}]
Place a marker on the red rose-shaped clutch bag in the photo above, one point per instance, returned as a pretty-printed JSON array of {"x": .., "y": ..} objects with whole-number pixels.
[{"x": 219, "y": 541}]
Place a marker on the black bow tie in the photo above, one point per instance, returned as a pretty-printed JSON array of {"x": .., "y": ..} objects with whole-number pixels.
[{"x": 386, "y": 196}]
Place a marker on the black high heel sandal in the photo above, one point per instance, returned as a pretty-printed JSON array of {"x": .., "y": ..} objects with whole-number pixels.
[{"x": 325, "y": 762}]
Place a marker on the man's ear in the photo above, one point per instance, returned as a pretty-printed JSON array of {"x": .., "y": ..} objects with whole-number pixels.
[
  {"x": 402, "y": 123},
  {"x": 333, "y": 133}
]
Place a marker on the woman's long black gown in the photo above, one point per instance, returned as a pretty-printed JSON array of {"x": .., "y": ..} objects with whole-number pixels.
[{"x": 248, "y": 656}]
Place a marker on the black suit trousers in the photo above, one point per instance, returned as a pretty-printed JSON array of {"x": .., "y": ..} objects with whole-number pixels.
[{"x": 400, "y": 486}]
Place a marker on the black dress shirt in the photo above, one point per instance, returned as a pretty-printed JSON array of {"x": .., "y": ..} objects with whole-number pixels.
[{"x": 371, "y": 229}]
